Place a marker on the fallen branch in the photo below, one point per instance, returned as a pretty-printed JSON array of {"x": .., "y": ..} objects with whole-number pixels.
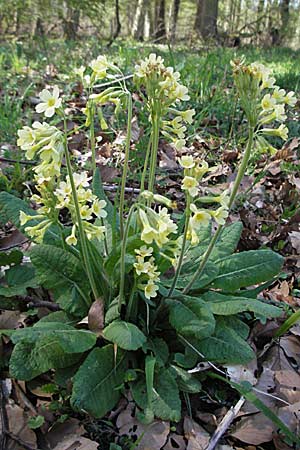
[{"x": 225, "y": 424}]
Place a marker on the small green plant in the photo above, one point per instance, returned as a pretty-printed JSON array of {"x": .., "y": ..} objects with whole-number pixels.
[{"x": 160, "y": 295}]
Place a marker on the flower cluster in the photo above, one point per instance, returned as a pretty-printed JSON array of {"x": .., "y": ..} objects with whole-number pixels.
[
  {"x": 164, "y": 90},
  {"x": 146, "y": 270},
  {"x": 156, "y": 226},
  {"x": 263, "y": 102},
  {"x": 99, "y": 68},
  {"x": 90, "y": 206},
  {"x": 193, "y": 172},
  {"x": 45, "y": 141}
]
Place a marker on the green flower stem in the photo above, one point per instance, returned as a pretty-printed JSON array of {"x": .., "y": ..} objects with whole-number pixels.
[
  {"x": 154, "y": 148},
  {"x": 186, "y": 226},
  {"x": 123, "y": 254},
  {"x": 125, "y": 168},
  {"x": 83, "y": 243},
  {"x": 130, "y": 301},
  {"x": 92, "y": 137},
  {"x": 142, "y": 187},
  {"x": 220, "y": 228}
]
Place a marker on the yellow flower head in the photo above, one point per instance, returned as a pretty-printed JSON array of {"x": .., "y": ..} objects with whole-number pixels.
[{"x": 187, "y": 162}]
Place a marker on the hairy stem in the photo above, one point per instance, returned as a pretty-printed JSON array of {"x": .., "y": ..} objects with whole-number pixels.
[
  {"x": 154, "y": 149},
  {"x": 125, "y": 168},
  {"x": 186, "y": 226},
  {"x": 83, "y": 244},
  {"x": 123, "y": 254},
  {"x": 220, "y": 228}
]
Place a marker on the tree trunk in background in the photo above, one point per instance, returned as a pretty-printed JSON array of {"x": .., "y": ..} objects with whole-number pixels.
[
  {"x": 159, "y": 21},
  {"x": 199, "y": 15},
  {"x": 206, "y": 19},
  {"x": 285, "y": 16},
  {"x": 175, "y": 11},
  {"x": 71, "y": 24},
  {"x": 139, "y": 21},
  {"x": 118, "y": 25}
]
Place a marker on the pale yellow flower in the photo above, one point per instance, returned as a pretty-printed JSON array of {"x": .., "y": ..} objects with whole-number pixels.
[
  {"x": 268, "y": 102},
  {"x": 99, "y": 66},
  {"x": 26, "y": 138},
  {"x": 50, "y": 102},
  {"x": 282, "y": 131},
  {"x": 72, "y": 240},
  {"x": 187, "y": 162},
  {"x": 290, "y": 99},
  {"x": 199, "y": 218},
  {"x": 187, "y": 115},
  {"x": 190, "y": 184},
  {"x": 98, "y": 208},
  {"x": 220, "y": 215},
  {"x": 144, "y": 251},
  {"x": 150, "y": 290}
]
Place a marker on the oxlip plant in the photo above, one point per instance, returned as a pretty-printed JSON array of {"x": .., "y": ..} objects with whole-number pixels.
[{"x": 160, "y": 295}]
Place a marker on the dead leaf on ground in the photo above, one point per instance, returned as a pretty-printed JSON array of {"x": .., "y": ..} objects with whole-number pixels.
[
  {"x": 70, "y": 429},
  {"x": 291, "y": 346},
  {"x": 76, "y": 443},
  {"x": 154, "y": 435},
  {"x": 255, "y": 429},
  {"x": 197, "y": 437},
  {"x": 96, "y": 316},
  {"x": 17, "y": 420},
  {"x": 175, "y": 442}
]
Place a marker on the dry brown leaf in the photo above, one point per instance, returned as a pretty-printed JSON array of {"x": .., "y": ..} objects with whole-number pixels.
[
  {"x": 289, "y": 385},
  {"x": 291, "y": 347},
  {"x": 17, "y": 420},
  {"x": 9, "y": 320},
  {"x": 96, "y": 316},
  {"x": 295, "y": 240},
  {"x": 175, "y": 442},
  {"x": 136, "y": 131},
  {"x": 255, "y": 429},
  {"x": 197, "y": 437},
  {"x": 71, "y": 428},
  {"x": 76, "y": 443},
  {"x": 154, "y": 435}
]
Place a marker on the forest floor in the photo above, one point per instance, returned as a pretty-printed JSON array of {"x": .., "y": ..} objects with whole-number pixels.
[{"x": 268, "y": 206}]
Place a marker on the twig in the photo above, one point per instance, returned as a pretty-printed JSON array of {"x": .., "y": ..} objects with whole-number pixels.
[
  {"x": 10, "y": 160},
  {"x": 3, "y": 249},
  {"x": 3, "y": 418},
  {"x": 225, "y": 424},
  {"x": 117, "y": 80},
  {"x": 36, "y": 303},
  {"x": 113, "y": 188}
]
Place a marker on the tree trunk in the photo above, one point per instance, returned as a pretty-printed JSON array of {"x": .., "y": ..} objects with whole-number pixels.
[
  {"x": 139, "y": 21},
  {"x": 71, "y": 24},
  {"x": 285, "y": 16},
  {"x": 160, "y": 25},
  {"x": 206, "y": 18},
  {"x": 175, "y": 11},
  {"x": 118, "y": 25}
]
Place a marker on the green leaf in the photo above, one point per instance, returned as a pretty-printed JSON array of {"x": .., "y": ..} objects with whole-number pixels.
[
  {"x": 190, "y": 316},
  {"x": 126, "y": 335},
  {"x": 29, "y": 360},
  {"x": 166, "y": 403},
  {"x": 10, "y": 208},
  {"x": 97, "y": 382},
  {"x": 226, "y": 305},
  {"x": 36, "y": 422},
  {"x": 247, "y": 268},
  {"x": 227, "y": 344},
  {"x": 159, "y": 348},
  {"x": 209, "y": 273},
  {"x": 186, "y": 381},
  {"x": 100, "y": 193},
  {"x": 67, "y": 337},
  {"x": 228, "y": 241},
  {"x": 47, "y": 345},
  {"x": 17, "y": 279},
  {"x": 12, "y": 257},
  {"x": 62, "y": 273}
]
